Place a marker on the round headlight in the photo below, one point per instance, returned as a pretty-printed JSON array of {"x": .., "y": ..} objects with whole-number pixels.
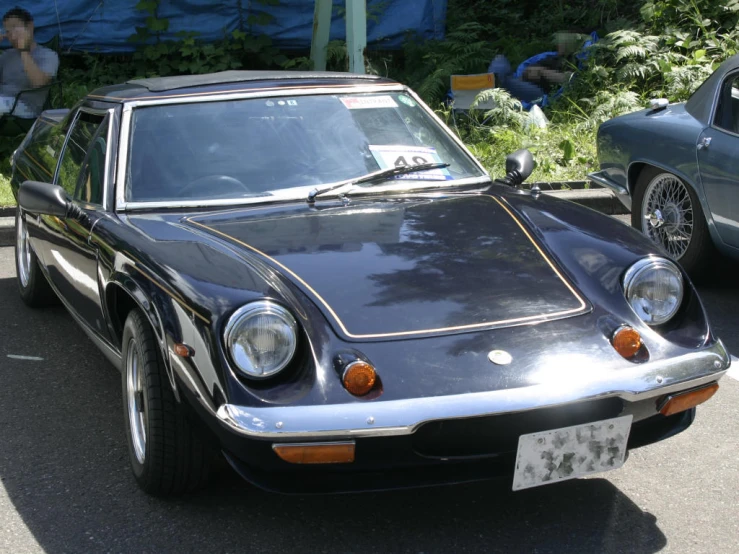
[
  {"x": 261, "y": 339},
  {"x": 654, "y": 288}
]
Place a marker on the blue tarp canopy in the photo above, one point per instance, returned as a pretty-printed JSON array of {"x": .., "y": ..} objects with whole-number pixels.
[{"x": 105, "y": 26}]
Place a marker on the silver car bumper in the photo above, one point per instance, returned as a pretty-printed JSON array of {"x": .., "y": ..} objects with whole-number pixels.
[
  {"x": 601, "y": 178},
  {"x": 403, "y": 417}
]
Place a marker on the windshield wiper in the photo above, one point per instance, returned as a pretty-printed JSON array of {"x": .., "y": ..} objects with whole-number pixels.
[{"x": 377, "y": 176}]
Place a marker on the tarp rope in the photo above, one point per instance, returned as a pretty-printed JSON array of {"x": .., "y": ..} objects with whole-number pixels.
[
  {"x": 59, "y": 22},
  {"x": 83, "y": 28}
]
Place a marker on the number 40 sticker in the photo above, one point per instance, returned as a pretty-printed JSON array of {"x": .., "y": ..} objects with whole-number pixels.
[{"x": 388, "y": 156}]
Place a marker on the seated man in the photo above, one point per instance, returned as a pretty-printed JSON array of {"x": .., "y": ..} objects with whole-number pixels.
[
  {"x": 24, "y": 66},
  {"x": 553, "y": 70}
]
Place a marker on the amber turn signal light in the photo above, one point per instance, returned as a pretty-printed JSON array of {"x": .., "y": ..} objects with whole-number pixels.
[
  {"x": 686, "y": 400},
  {"x": 627, "y": 342},
  {"x": 182, "y": 350},
  {"x": 359, "y": 378},
  {"x": 316, "y": 453}
]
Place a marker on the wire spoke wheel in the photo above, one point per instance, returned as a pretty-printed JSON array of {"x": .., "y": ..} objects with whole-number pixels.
[{"x": 667, "y": 214}]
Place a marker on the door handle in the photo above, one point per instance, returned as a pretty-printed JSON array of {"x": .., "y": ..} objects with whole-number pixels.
[{"x": 704, "y": 143}]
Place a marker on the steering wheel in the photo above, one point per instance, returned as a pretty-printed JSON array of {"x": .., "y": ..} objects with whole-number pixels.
[{"x": 214, "y": 185}]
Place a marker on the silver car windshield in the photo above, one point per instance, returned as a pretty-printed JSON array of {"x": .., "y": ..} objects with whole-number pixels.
[{"x": 260, "y": 147}]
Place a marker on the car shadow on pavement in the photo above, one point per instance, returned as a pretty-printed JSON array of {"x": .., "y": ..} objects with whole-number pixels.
[{"x": 67, "y": 485}]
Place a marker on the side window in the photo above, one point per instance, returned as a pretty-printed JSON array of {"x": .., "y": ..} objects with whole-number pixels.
[
  {"x": 727, "y": 110},
  {"x": 90, "y": 183},
  {"x": 84, "y": 131}
]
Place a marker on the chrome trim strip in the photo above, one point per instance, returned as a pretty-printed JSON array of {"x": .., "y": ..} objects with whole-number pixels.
[
  {"x": 241, "y": 95},
  {"x": 604, "y": 181},
  {"x": 109, "y": 160},
  {"x": 403, "y": 417},
  {"x": 300, "y": 194},
  {"x": 120, "y": 182}
]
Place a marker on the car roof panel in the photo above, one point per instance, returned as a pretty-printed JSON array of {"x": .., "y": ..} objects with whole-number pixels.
[{"x": 229, "y": 81}]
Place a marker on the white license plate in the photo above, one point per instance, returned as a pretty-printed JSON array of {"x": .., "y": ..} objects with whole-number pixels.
[{"x": 571, "y": 452}]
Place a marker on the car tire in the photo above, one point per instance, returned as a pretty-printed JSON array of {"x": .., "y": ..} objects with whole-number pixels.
[
  {"x": 679, "y": 228},
  {"x": 167, "y": 454},
  {"x": 34, "y": 289}
]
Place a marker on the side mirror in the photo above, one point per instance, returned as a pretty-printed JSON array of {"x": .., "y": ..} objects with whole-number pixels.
[
  {"x": 43, "y": 198},
  {"x": 521, "y": 162},
  {"x": 518, "y": 166}
]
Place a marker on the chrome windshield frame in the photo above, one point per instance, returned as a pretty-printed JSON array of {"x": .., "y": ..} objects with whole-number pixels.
[{"x": 291, "y": 194}]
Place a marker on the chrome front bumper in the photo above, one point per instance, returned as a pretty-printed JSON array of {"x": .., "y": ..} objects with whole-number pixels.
[
  {"x": 601, "y": 178},
  {"x": 403, "y": 417}
]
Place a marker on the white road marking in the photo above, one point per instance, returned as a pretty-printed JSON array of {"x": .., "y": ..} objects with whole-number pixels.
[{"x": 32, "y": 358}]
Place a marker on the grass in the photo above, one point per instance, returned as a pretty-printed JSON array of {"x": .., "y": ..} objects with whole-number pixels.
[{"x": 6, "y": 197}]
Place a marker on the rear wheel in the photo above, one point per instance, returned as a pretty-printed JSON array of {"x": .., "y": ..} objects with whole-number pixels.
[
  {"x": 166, "y": 453},
  {"x": 33, "y": 287},
  {"x": 668, "y": 212}
]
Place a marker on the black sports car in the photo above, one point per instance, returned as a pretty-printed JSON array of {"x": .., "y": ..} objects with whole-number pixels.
[{"x": 309, "y": 275}]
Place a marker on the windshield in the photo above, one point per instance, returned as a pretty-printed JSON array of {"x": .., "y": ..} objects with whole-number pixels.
[{"x": 256, "y": 147}]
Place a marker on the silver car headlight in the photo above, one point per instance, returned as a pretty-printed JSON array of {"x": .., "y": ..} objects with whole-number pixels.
[
  {"x": 654, "y": 288},
  {"x": 261, "y": 339}
]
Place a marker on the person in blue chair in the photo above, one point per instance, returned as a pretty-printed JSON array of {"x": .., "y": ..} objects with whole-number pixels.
[
  {"x": 541, "y": 74},
  {"x": 24, "y": 66}
]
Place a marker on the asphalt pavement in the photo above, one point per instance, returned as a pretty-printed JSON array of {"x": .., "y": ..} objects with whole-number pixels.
[{"x": 65, "y": 485}]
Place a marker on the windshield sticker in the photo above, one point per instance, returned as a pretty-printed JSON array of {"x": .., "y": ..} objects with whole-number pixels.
[
  {"x": 388, "y": 156},
  {"x": 407, "y": 100},
  {"x": 362, "y": 102}
]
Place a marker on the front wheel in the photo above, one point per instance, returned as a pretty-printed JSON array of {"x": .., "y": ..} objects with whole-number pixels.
[
  {"x": 167, "y": 455},
  {"x": 669, "y": 213},
  {"x": 33, "y": 287}
]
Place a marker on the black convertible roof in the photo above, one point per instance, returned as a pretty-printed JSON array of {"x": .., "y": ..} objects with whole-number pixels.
[{"x": 227, "y": 81}]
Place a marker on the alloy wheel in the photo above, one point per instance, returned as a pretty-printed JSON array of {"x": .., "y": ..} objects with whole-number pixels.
[
  {"x": 137, "y": 415},
  {"x": 23, "y": 247}
]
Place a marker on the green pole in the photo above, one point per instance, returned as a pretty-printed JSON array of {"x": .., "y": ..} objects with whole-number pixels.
[
  {"x": 321, "y": 30},
  {"x": 356, "y": 34}
]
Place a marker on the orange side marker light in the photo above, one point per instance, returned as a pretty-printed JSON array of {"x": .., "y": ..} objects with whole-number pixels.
[
  {"x": 359, "y": 378},
  {"x": 684, "y": 401},
  {"x": 316, "y": 453}
]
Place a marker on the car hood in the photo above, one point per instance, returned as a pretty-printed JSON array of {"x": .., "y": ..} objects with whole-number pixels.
[{"x": 407, "y": 267}]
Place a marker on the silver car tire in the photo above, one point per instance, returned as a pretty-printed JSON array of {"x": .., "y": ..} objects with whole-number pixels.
[
  {"x": 167, "y": 455},
  {"x": 667, "y": 211},
  {"x": 33, "y": 287}
]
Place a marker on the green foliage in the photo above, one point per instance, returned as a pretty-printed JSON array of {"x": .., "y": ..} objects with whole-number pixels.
[
  {"x": 188, "y": 56},
  {"x": 429, "y": 66}
]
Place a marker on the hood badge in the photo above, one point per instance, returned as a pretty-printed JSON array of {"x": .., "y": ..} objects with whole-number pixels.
[{"x": 500, "y": 357}]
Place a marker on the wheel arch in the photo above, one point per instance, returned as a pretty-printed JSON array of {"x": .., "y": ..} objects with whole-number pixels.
[{"x": 123, "y": 294}]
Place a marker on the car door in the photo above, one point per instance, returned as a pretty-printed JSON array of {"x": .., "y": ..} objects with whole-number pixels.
[
  {"x": 70, "y": 259},
  {"x": 718, "y": 161}
]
